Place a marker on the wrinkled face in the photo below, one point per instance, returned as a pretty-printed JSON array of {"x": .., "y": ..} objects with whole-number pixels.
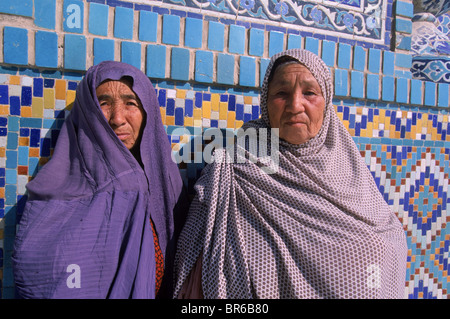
[
  {"x": 122, "y": 109},
  {"x": 295, "y": 103}
]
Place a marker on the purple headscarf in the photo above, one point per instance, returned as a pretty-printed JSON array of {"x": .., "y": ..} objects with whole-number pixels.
[{"x": 85, "y": 231}]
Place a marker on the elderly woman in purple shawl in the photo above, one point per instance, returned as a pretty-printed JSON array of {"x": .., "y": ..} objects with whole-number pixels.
[
  {"x": 102, "y": 216},
  {"x": 315, "y": 227}
]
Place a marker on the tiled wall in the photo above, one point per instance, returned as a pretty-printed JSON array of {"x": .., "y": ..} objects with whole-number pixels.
[{"x": 207, "y": 69}]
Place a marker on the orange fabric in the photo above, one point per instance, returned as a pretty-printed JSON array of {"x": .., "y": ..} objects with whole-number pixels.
[{"x": 159, "y": 258}]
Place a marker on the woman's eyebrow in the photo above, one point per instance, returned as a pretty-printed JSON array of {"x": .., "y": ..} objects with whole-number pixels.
[{"x": 123, "y": 96}]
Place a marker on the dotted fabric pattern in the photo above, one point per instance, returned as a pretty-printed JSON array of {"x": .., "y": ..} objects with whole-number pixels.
[{"x": 317, "y": 228}]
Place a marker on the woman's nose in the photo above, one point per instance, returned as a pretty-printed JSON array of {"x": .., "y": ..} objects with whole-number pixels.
[
  {"x": 296, "y": 104},
  {"x": 117, "y": 117}
]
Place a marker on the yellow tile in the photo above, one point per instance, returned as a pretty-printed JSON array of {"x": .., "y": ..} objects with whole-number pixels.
[
  {"x": 206, "y": 107},
  {"x": 198, "y": 123},
  {"x": 363, "y": 133},
  {"x": 2, "y": 192},
  {"x": 60, "y": 89},
  {"x": 70, "y": 97},
  {"x": 37, "y": 107},
  {"x": 2, "y": 152},
  {"x": 215, "y": 100},
  {"x": 188, "y": 121},
  {"x": 223, "y": 110},
  {"x": 33, "y": 152},
  {"x": 25, "y": 111},
  {"x": 24, "y": 141},
  {"x": 231, "y": 119},
  {"x": 181, "y": 94},
  {"x": 4, "y": 110},
  {"x": 14, "y": 80},
  {"x": 248, "y": 99},
  {"x": 49, "y": 98},
  {"x": 170, "y": 120},
  {"x": 198, "y": 114},
  {"x": 163, "y": 113},
  {"x": 238, "y": 124}
]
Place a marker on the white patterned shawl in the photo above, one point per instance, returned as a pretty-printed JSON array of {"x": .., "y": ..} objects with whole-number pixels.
[{"x": 318, "y": 228}]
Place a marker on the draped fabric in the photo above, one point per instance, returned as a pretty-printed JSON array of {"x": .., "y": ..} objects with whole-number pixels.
[
  {"x": 316, "y": 227},
  {"x": 86, "y": 231}
]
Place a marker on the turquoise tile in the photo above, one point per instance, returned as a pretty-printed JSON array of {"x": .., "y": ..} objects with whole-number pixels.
[
  {"x": 341, "y": 82},
  {"x": 15, "y": 45},
  {"x": 23, "y": 152},
  {"x": 329, "y": 52},
  {"x": 17, "y": 7},
  {"x": 247, "y": 71},
  {"x": 156, "y": 61},
  {"x": 103, "y": 50},
  {"x": 405, "y": 44},
  {"x": 359, "y": 58},
  {"x": 416, "y": 92},
  {"x": 443, "y": 96},
  {"x": 403, "y": 25},
  {"x": 204, "y": 62},
  {"x": 236, "y": 39},
  {"x": 312, "y": 44},
  {"x": 193, "y": 33},
  {"x": 225, "y": 69},
  {"x": 404, "y": 9},
  {"x": 12, "y": 141},
  {"x": 74, "y": 52},
  {"x": 123, "y": 23},
  {"x": 44, "y": 13},
  {"x": 430, "y": 93},
  {"x": 294, "y": 41},
  {"x": 357, "y": 84},
  {"x": 171, "y": 29},
  {"x": 216, "y": 34},
  {"x": 276, "y": 42},
  {"x": 256, "y": 43},
  {"x": 263, "y": 64},
  {"x": 344, "y": 56},
  {"x": 373, "y": 87},
  {"x": 148, "y": 26},
  {"x": 179, "y": 66},
  {"x": 98, "y": 19},
  {"x": 388, "y": 62},
  {"x": 46, "y": 49},
  {"x": 401, "y": 95},
  {"x": 374, "y": 60},
  {"x": 131, "y": 53},
  {"x": 403, "y": 60},
  {"x": 388, "y": 88},
  {"x": 73, "y": 16}
]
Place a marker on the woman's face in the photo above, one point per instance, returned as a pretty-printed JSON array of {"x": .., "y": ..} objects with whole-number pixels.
[
  {"x": 122, "y": 109},
  {"x": 295, "y": 103}
]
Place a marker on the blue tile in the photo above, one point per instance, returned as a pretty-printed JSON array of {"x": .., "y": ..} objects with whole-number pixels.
[
  {"x": 15, "y": 45},
  {"x": 204, "y": 62},
  {"x": 256, "y": 43},
  {"x": 4, "y": 94},
  {"x": 156, "y": 61},
  {"x": 416, "y": 92},
  {"x": 44, "y": 13},
  {"x": 131, "y": 53},
  {"x": 14, "y": 105},
  {"x": 388, "y": 86},
  {"x": 73, "y": 16},
  {"x": 179, "y": 66},
  {"x": 276, "y": 42},
  {"x": 26, "y": 96},
  {"x": 443, "y": 96},
  {"x": 123, "y": 23},
  {"x": 405, "y": 44},
  {"x": 403, "y": 60},
  {"x": 148, "y": 26},
  {"x": 193, "y": 33},
  {"x": 216, "y": 35},
  {"x": 374, "y": 60},
  {"x": 403, "y": 25},
  {"x": 236, "y": 40},
  {"x": 294, "y": 41},
  {"x": 74, "y": 52},
  {"x": 23, "y": 155},
  {"x": 46, "y": 49},
  {"x": 388, "y": 62},
  {"x": 359, "y": 58},
  {"x": 171, "y": 29},
  {"x": 247, "y": 71},
  {"x": 401, "y": 95},
  {"x": 11, "y": 159},
  {"x": 404, "y": 9},
  {"x": 328, "y": 52},
  {"x": 179, "y": 116},
  {"x": 341, "y": 82},
  {"x": 103, "y": 50},
  {"x": 17, "y": 7},
  {"x": 225, "y": 69},
  {"x": 312, "y": 44},
  {"x": 98, "y": 18},
  {"x": 12, "y": 141},
  {"x": 430, "y": 93},
  {"x": 357, "y": 84},
  {"x": 263, "y": 64},
  {"x": 373, "y": 87},
  {"x": 344, "y": 54}
]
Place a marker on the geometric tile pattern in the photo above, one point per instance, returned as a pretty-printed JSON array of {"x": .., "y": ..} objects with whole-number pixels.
[{"x": 407, "y": 150}]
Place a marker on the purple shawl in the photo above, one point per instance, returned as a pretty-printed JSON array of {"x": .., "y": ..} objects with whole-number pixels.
[{"x": 85, "y": 231}]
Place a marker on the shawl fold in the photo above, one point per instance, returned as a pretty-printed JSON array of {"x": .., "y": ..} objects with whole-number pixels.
[
  {"x": 316, "y": 227},
  {"x": 85, "y": 231}
]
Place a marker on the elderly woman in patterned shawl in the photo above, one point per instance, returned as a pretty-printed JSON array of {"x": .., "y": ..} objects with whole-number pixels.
[
  {"x": 101, "y": 216},
  {"x": 317, "y": 227}
]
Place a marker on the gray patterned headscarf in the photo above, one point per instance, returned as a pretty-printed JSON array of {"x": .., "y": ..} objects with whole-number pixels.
[{"x": 317, "y": 228}]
